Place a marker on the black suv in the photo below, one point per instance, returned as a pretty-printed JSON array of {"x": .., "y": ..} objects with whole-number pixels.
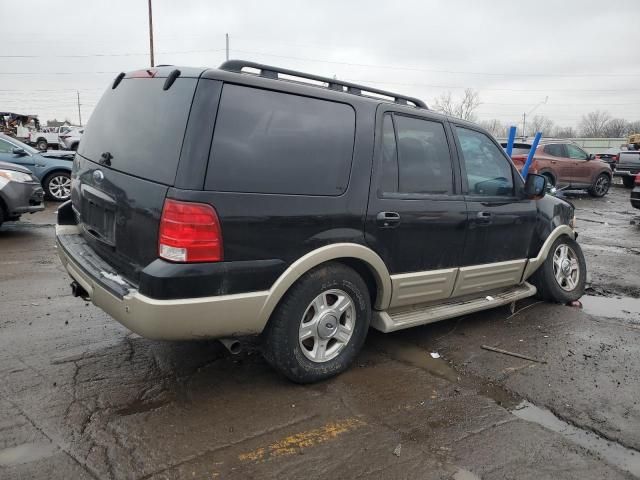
[{"x": 254, "y": 200}]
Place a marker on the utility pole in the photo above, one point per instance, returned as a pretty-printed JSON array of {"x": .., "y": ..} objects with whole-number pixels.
[
  {"x": 226, "y": 36},
  {"x": 79, "y": 114},
  {"x": 151, "y": 34}
]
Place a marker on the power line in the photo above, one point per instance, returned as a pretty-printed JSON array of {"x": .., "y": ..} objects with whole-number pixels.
[
  {"x": 90, "y": 55},
  {"x": 415, "y": 69}
]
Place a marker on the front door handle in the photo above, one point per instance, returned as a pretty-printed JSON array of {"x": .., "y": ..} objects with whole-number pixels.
[
  {"x": 388, "y": 219},
  {"x": 483, "y": 218}
]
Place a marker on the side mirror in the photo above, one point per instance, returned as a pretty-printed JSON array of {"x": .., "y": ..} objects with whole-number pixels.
[
  {"x": 19, "y": 152},
  {"x": 591, "y": 156},
  {"x": 535, "y": 186}
]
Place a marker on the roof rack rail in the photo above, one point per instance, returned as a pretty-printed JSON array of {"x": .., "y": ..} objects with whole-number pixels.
[{"x": 268, "y": 71}]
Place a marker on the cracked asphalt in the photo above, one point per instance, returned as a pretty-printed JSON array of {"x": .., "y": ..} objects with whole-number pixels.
[{"x": 81, "y": 397}]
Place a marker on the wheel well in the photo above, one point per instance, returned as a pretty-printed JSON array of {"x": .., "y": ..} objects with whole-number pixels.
[
  {"x": 365, "y": 272},
  {"x": 549, "y": 174},
  {"x": 53, "y": 172},
  {"x": 4, "y": 213}
]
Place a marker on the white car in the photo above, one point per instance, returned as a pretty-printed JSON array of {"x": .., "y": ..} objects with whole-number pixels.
[{"x": 70, "y": 139}]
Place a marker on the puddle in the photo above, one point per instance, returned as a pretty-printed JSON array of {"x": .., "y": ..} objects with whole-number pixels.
[
  {"x": 27, "y": 452},
  {"x": 612, "y": 452},
  {"x": 413, "y": 355},
  {"x": 612, "y": 307}
]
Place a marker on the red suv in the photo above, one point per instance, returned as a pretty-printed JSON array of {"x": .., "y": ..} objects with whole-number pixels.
[{"x": 566, "y": 165}]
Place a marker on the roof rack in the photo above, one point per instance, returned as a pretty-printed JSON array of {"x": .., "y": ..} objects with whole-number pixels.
[{"x": 268, "y": 71}]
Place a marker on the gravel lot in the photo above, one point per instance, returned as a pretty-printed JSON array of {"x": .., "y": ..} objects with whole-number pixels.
[{"x": 81, "y": 397}]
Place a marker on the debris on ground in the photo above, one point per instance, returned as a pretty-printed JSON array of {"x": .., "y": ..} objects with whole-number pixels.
[
  {"x": 435, "y": 355},
  {"x": 575, "y": 304},
  {"x": 397, "y": 450},
  {"x": 513, "y": 354}
]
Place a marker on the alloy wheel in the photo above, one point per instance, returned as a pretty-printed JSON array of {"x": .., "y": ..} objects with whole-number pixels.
[
  {"x": 60, "y": 187},
  {"x": 566, "y": 268},
  {"x": 327, "y": 325}
]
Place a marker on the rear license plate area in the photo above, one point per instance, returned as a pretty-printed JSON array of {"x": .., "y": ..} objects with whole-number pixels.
[{"x": 99, "y": 221}]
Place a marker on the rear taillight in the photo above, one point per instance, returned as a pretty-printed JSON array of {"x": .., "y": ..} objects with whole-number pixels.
[
  {"x": 637, "y": 181},
  {"x": 189, "y": 232},
  {"x": 616, "y": 158}
]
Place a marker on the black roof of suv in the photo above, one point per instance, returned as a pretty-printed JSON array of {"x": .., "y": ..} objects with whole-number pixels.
[{"x": 252, "y": 199}]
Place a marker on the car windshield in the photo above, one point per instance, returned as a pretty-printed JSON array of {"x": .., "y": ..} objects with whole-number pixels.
[{"x": 19, "y": 144}]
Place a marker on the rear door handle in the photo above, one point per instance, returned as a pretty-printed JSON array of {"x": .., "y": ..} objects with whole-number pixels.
[
  {"x": 483, "y": 218},
  {"x": 388, "y": 219}
]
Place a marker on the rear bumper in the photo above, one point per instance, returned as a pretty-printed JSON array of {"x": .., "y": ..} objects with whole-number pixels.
[
  {"x": 182, "y": 319},
  {"x": 626, "y": 171}
]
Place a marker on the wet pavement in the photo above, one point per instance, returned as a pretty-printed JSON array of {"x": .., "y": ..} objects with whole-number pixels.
[{"x": 81, "y": 397}]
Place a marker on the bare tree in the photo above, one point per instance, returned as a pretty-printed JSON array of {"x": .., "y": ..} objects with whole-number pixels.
[
  {"x": 495, "y": 127},
  {"x": 616, "y": 127},
  {"x": 564, "y": 132},
  {"x": 593, "y": 124},
  {"x": 541, "y": 124},
  {"x": 463, "y": 108}
]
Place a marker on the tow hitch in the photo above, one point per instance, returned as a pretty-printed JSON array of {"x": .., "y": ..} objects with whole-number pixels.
[{"x": 78, "y": 291}]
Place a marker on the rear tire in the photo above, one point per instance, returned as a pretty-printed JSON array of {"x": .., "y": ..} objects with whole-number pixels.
[
  {"x": 555, "y": 279},
  {"x": 319, "y": 327},
  {"x": 601, "y": 186},
  {"x": 628, "y": 181},
  {"x": 42, "y": 145}
]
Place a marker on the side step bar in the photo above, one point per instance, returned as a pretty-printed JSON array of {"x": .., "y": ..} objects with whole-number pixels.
[{"x": 406, "y": 318}]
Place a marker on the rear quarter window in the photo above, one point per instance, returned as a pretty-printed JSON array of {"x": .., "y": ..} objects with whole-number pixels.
[{"x": 273, "y": 142}]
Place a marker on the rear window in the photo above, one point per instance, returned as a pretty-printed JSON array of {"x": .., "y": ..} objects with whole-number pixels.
[
  {"x": 141, "y": 126},
  {"x": 272, "y": 142}
]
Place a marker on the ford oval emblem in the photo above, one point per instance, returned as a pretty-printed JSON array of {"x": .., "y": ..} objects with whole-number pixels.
[{"x": 98, "y": 176}]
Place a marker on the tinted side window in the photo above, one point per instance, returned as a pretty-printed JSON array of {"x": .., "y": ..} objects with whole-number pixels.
[
  {"x": 272, "y": 142},
  {"x": 424, "y": 161},
  {"x": 575, "y": 152},
  {"x": 555, "y": 150},
  {"x": 488, "y": 170}
]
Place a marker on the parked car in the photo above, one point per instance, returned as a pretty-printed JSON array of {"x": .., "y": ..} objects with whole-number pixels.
[
  {"x": 53, "y": 169},
  {"x": 301, "y": 213},
  {"x": 70, "y": 139},
  {"x": 628, "y": 167},
  {"x": 635, "y": 193},
  {"x": 46, "y": 137},
  {"x": 20, "y": 192},
  {"x": 565, "y": 164},
  {"x": 610, "y": 156}
]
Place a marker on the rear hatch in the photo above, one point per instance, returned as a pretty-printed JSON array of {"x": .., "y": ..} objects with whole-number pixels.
[
  {"x": 127, "y": 161},
  {"x": 629, "y": 161}
]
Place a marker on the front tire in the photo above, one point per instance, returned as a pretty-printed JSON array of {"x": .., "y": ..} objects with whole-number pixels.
[
  {"x": 42, "y": 145},
  {"x": 601, "y": 186},
  {"x": 319, "y": 327},
  {"x": 562, "y": 276},
  {"x": 57, "y": 186},
  {"x": 628, "y": 181}
]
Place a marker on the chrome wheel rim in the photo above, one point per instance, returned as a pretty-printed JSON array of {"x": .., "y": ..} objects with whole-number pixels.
[
  {"x": 602, "y": 185},
  {"x": 327, "y": 326},
  {"x": 60, "y": 187},
  {"x": 566, "y": 268}
]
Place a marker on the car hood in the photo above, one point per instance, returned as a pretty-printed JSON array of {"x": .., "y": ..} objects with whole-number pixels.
[
  {"x": 14, "y": 167},
  {"x": 64, "y": 154}
]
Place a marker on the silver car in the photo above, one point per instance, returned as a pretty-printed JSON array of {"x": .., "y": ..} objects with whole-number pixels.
[{"x": 20, "y": 192}]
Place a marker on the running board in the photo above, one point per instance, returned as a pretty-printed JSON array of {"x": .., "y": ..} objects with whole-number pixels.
[{"x": 406, "y": 318}]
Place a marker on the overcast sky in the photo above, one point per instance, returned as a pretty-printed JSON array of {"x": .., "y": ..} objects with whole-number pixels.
[{"x": 582, "y": 54}]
